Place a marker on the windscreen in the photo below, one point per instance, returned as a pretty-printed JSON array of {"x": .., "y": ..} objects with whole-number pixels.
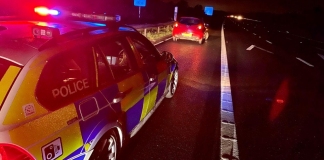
[
  {"x": 189, "y": 21},
  {"x": 8, "y": 74}
]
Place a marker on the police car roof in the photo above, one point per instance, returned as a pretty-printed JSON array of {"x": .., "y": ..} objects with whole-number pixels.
[{"x": 18, "y": 44}]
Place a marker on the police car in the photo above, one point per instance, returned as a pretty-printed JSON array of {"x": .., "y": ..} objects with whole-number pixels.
[{"x": 77, "y": 89}]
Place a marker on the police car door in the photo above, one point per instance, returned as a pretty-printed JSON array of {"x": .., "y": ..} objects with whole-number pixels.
[
  {"x": 129, "y": 99},
  {"x": 155, "y": 68},
  {"x": 68, "y": 87}
]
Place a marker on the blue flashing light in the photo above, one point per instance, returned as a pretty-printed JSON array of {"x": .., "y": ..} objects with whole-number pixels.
[{"x": 53, "y": 12}]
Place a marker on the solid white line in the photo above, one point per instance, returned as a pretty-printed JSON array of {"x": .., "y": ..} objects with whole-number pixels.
[
  {"x": 163, "y": 41},
  {"x": 228, "y": 146},
  {"x": 305, "y": 62}
]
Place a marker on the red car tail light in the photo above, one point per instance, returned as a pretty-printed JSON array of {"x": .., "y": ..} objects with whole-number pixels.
[
  {"x": 200, "y": 27},
  {"x": 13, "y": 152},
  {"x": 176, "y": 25}
]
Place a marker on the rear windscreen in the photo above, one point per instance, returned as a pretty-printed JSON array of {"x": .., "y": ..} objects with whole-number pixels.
[
  {"x": 8, "y": 74},
  {"x": 189, "y": 21}
]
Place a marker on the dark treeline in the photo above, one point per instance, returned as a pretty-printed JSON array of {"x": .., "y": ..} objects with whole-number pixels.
[{"x": 309, "y": 21}]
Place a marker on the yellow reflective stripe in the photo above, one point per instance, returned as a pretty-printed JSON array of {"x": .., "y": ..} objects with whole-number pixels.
[
  {"x": 7, "y": 81},
  {"x": 145, "y": 106},
  {"x": 149, "y": 102}
]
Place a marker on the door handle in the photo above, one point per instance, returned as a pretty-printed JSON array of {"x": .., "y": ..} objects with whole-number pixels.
[
  {"x": 121, "y": 95},
  {"x": 152, "y": 78}
]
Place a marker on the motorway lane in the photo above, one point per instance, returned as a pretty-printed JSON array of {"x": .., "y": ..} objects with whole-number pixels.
[
  {"x": 277, "y": 102},
  {"x": 188, "y": 125}
]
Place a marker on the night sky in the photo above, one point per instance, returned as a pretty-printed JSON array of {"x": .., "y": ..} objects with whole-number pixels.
[
  {"x": 236, "y": 6},
  {"x": 274, "y": 6}
]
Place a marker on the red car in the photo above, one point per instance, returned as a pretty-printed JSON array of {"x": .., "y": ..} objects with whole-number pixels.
[{"x": 190, "y": 28}]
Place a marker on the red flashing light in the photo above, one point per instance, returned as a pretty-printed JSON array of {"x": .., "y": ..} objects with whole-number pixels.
[
  {"x": 176, "y": 25},
  {"x": 200, "y": 27},
  {"x": 43, "y": 11}
]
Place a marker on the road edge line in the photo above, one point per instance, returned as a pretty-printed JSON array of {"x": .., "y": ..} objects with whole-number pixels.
[{"x": 228, "y": 139}]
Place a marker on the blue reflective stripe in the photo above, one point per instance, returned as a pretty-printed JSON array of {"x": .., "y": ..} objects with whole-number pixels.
[
  {"x": 134, "y": 115},
  {"x": 95, "y": 113}
]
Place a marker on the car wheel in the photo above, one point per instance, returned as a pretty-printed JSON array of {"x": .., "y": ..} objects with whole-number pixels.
[
  {"x": 200, "y": 41},
  {"x": 107, "y": 148},
  {"x": 173, "y": 84},
  {"x": 174, "y": 38},
  {"x": 206, "y": 36}
]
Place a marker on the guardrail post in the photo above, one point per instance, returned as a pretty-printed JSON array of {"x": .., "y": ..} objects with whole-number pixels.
[
  {"x": 145, "y": 32},
  {"x": 158, "y": 31}
]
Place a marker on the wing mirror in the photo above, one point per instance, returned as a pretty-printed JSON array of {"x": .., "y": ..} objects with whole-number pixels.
[{"x": 167, "y": 56}]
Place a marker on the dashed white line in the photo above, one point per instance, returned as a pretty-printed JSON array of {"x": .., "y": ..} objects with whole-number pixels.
[
  {"x": 268, "y": 42},
  {"x": 304, "y": 62},
  {"x": 319, "y": 48},
  {"x": 254, "y": 46},
  {"x": 322, "y": 56}
]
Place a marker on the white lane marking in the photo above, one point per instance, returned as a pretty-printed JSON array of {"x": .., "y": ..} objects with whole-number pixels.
[
  {"x": 163, "y": 41},
  {"x": 322, "y": 56},
  {"x": 228, "y": 141},
  {"x": 304, "y": 62},
  {"x": 268, "y": 41},
  {"x": 254, "y": 46},
  {"x": 250, "y": 48}
]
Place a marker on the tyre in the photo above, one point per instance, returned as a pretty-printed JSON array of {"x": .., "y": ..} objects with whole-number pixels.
[
  {"x": 200, "y": 41},
  {"x": 107, "y": 148},
  {"x": 206, "y": 36},
  {"x": 173, "y": 84}
]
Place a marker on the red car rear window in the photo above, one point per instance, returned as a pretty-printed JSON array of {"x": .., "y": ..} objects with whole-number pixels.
[{"x": 190, "y": 21}]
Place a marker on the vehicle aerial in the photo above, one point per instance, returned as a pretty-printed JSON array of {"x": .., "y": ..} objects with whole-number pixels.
[
  {"x": 77, "y": 89},
  {"x": 190, "y": 28}
]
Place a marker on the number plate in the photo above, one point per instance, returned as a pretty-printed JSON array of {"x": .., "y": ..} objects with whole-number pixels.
[{"x": 187, "y": 34}]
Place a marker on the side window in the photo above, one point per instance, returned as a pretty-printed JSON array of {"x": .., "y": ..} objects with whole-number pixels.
[
  {"x": 105, "y": 76},
  {"x": 147, "y": 51},
  {"x": 118, "y": 56},
  {"x": 66, "y": 77}
]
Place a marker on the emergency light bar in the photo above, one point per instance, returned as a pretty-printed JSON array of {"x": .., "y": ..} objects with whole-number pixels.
[
  {"x": 43, "y": 11},
  {"x": 97, "y": 17}
]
